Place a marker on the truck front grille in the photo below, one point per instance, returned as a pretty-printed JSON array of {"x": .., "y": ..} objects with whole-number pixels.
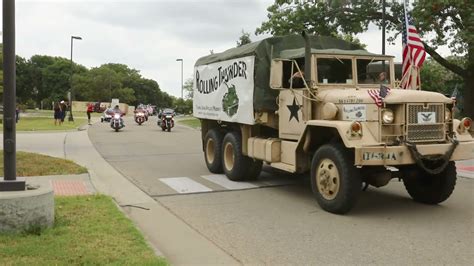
[{"x": 425, "y": 122}]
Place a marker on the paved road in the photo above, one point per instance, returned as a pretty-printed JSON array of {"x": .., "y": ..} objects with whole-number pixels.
[{"x": 276, "y": 220}]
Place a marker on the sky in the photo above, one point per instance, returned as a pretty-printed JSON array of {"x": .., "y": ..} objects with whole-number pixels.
[{"x": 147, "y": 35}]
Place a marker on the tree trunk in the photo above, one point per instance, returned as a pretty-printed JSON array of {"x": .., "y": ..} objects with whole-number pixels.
[
  {"x": 469, "y": 83},
  {"x": 468, "y": 104}
]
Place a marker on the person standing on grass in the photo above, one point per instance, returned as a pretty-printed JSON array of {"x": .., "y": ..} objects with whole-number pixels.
[
  {"x": 57, "y": 114},
  {"x": 17, "y": 111},
  {"x": 63, "y": 111},
  {"x": 90, "y": 109}
]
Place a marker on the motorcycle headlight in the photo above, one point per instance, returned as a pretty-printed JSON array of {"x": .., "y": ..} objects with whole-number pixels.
[
  {"x": 116, "y": 116},
  {"x": 387, "y": 116},
  {"x": 447, "y": 115},
  {"x": 169, "y": 116}
]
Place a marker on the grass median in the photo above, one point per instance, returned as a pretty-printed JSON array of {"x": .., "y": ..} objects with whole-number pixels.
[
  {"x": 33, "y": 164},
  {"x": 190, "y": 122},
  {"x": 88, "y": 230},
  {"x": 46, "y": 124}
]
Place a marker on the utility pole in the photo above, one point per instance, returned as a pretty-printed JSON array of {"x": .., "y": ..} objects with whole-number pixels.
[{"x": 182, "y": 88}]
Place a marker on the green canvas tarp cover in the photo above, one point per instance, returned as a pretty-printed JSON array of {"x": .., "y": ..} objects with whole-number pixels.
[{"x": 287, "y": 47}]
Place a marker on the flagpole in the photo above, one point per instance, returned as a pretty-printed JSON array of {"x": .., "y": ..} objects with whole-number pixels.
[
  {"x": 383, "y": 30},
  {"x": 405, "y": 9}
]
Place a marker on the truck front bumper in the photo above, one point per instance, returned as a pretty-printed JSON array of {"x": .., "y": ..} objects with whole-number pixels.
[{"x": 400, "y": 155}]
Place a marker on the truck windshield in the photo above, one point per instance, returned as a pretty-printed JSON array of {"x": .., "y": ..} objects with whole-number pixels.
[
  {"x": 334, "y": 70},
  {"x": 373, "y": 71}
]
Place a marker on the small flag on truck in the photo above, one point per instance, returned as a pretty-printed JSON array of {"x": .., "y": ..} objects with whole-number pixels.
[{"x": 379, "y": 95}]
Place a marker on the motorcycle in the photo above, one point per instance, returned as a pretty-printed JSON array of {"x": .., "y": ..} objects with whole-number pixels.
[
  {"x": 107, "y": 115},
  {"x": 166, "y": 121},
  {"x": 140, "y": 118},
  {"x": 117, "y": 122}
]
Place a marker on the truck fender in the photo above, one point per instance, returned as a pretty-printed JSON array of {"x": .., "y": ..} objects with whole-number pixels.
[
  {"x": 318, "y": 132},
  {"x": 465, "y": 136}
]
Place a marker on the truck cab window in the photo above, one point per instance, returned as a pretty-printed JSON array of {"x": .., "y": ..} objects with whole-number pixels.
[
  {"x": 334, "y": 70},
  {"x": 369, "y": 71},
  {"x": 288, "y": 74}
]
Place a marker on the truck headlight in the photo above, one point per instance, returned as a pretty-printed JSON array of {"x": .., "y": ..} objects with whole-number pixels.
[
  {"x": 447, "y": 114},
  {"x": 387, "y": 116}
]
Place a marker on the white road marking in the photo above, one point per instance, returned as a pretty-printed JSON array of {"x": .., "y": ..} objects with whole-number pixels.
[
  {"x": 466, "y": 174},
  {"x": 185, "y": 185},
  {"x": 223, "y": 181}
]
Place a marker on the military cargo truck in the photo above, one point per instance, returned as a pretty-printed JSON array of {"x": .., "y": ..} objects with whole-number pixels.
[{"x": 346, "y": 124}]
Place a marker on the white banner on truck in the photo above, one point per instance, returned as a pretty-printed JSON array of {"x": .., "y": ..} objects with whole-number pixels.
[{"x": 224, "y": 90}]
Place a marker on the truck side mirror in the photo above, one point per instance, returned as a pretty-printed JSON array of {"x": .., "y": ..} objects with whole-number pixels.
[{"x": 276, "y": 75}]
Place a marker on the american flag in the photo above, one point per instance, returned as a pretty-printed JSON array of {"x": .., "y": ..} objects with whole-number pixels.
[
  {"x": 413, "y": 50},
  {"x": 379, "y": 95}
]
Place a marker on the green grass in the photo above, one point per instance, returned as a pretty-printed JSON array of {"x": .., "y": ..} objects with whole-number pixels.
[
  {"x": 191, "y": 122},
  {"x": 46, "y": 124},
  {"x": 33, "y": 164},
  {"x": 88, "y": 230},
  {"x": 81, "y": 114}
]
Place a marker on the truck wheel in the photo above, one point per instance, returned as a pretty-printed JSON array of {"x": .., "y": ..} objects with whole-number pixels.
[
  {"x": 427, "y": 188},
  {"x": 335, "y": 181},
  {"x": 213, "y": 151},
  {"x": 238, "y": 167}
]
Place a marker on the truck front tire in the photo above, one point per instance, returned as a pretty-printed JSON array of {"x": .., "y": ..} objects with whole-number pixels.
[
  {"x": 430, "y": 189},
  {"x": 213, "y": 151},
  {"x": 238, "y": 167},
  {"x": 335, "y": 181}
]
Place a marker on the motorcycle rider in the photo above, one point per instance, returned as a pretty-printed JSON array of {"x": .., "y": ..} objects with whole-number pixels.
[{"x": 117, "y": 110}]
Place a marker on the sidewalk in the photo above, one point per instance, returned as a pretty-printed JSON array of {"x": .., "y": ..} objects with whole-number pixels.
[
  {"x": 465, "y": 168},
  {"x": 168, "y": 234},
  {"x": 67, "y": 185}
]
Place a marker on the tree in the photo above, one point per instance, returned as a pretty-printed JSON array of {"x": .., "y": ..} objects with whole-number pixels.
[
  {"x": 25, "y": 90},
  {"x": 244, "y": 39},
  {"x": 97, "y": 84},
  {"x": 437, "y": 78},
  {"x": 1, "y": 71},
  {"x": 188, "y": 88},
  {"x": 183, "y": 106},
  {"x": 126, "y": 95},
  {"x": 439, "y": 22}
]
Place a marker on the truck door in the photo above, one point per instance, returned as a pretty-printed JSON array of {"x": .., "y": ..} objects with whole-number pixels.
[{"x": 291, "y": 117}]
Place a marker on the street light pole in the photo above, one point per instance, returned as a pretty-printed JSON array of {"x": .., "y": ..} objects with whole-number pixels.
[
  {"x": 9, "y": 182},
  {"x": 182, "y": 88},
  {"x": 71, "y": 92}
]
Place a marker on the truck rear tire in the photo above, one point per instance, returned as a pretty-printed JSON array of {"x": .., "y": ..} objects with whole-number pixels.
[
  {"x": 238, "y": 167},
  {"x": 427, "y": 188},
  {"x": 213, "y": 151},
  {"x": 335, "y": 181}
]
